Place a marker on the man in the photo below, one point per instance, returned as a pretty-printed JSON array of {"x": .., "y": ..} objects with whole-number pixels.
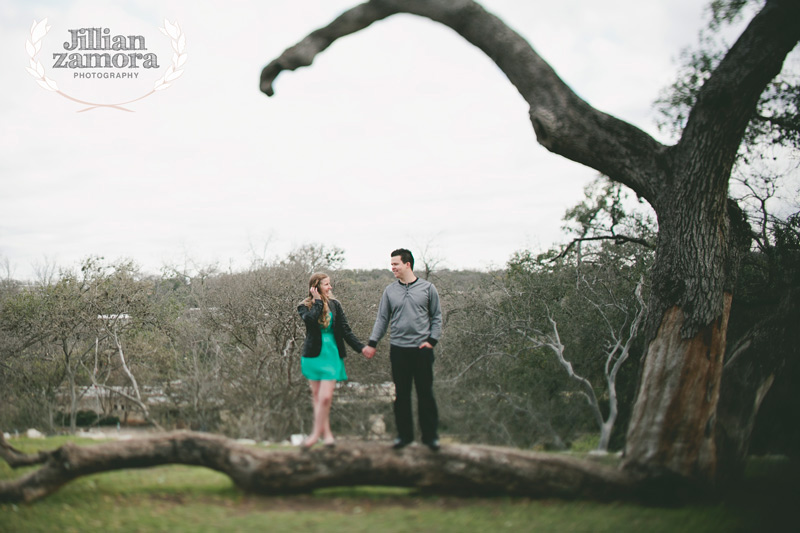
[{"x": 411, "y": 307}]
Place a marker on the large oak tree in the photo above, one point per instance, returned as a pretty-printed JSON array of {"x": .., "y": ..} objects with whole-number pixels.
[
  {"x": 671, "y": 434},
  {"x": 672, "y": 429}
]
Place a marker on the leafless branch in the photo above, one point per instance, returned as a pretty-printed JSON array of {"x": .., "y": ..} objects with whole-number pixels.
[{"x": 618, "y": 239}]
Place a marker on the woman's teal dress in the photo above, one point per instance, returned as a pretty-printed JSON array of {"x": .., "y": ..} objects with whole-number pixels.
[{"x": 328, "y": 365}]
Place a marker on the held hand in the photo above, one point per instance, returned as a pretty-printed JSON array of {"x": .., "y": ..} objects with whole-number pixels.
[
  {"x": 315, "y": 293},
  {"x": 426, "y": 344},
  {"x": 368, "y": 351}
]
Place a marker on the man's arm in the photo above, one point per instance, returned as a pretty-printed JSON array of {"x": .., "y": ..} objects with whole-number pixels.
[
  {"x": 435, "y": 314},
  {"x": 381, "y": 321}
]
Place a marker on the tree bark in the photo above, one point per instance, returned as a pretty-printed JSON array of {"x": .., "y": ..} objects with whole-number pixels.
[
  {"x": 469, "y": 470},
  {"x": 672, "y": 429}
]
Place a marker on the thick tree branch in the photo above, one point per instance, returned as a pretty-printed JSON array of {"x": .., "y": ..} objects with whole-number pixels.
[
  {"x": 455, "y": 469},
  {"x": 563, "y": 122},
  {"x": 302, "y": 54},
  {"x": 727, "y": 101}
]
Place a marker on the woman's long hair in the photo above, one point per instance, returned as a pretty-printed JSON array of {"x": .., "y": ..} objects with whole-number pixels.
[{"x": 316, "y": 281}]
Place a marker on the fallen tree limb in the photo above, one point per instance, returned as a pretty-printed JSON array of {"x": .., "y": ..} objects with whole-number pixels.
[
  {"x": 456, "y": 469},
  {"x": 16, "y": 458}
]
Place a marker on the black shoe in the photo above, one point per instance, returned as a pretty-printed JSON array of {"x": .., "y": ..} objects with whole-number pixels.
[
  {"x": 433, "y": 445},
  {"x": 400, "y": 443}
]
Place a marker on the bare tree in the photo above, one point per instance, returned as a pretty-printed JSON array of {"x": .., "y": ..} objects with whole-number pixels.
[
  {"x": 100, "y": 378},
  {"x": 255, "y": 336},
  {"x": 315, "y": 257},
  {"x": 53, "y": 325},
  {"x": 46, "y": 271},
  {"x": 82, "y": 323},
  {"x": 618, "y": 351},
  {"x": 427, "y": 260},
  {"x": 672, "y": 428}
]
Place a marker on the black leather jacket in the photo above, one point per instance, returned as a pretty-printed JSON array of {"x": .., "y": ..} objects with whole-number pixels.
[{"x": 341, "y": 329}]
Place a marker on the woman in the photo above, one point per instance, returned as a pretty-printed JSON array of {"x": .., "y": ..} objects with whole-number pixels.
[{"x": 323, "y": 352}]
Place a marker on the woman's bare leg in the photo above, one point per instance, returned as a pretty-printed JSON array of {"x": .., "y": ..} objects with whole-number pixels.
[
  {"x": 317, "y": 430},
  {"x": 325, "y": 399}
]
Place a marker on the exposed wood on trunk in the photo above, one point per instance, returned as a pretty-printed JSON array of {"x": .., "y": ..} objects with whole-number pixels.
[
  {"x": 471, "y": 470},
  {"x": 672, "y": 424}
]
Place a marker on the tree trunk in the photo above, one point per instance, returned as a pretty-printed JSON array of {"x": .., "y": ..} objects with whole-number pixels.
[
  {"x": 672, "y": 424},
  {"x": 605, "y": 434},
  {"x": 671, "y": 430},
  {"x": 469, "y": 470},
  {"x": 73, "y": 395}
]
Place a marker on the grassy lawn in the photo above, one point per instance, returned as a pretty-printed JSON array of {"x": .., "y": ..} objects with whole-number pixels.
[{"x": 191, "y": 499}]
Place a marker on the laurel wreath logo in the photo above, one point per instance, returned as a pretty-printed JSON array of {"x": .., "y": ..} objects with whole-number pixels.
[{"x": 175, "y": 70}]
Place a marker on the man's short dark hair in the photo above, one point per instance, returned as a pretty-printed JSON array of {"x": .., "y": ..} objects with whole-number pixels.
[{"x": 405, "y": 256}]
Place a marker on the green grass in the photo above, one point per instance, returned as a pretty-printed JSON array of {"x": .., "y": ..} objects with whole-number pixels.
[{"x": 180, "y": 498}]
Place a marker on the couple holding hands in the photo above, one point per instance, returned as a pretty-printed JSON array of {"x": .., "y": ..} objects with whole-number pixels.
[{"x": 411, "y": 307}]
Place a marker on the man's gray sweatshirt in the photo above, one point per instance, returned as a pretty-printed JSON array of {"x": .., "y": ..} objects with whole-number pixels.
[{"x": 413, "y": 312}]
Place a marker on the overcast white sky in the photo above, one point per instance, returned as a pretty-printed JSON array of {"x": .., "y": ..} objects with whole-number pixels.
[{"x": 400, "y": 135}]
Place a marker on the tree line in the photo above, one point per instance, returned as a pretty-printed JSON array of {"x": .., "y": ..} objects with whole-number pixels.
[{"x": 543, "y": 353}]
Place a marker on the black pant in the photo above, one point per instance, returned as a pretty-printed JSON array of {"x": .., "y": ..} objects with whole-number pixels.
[{"x": 414, "y": 365}]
